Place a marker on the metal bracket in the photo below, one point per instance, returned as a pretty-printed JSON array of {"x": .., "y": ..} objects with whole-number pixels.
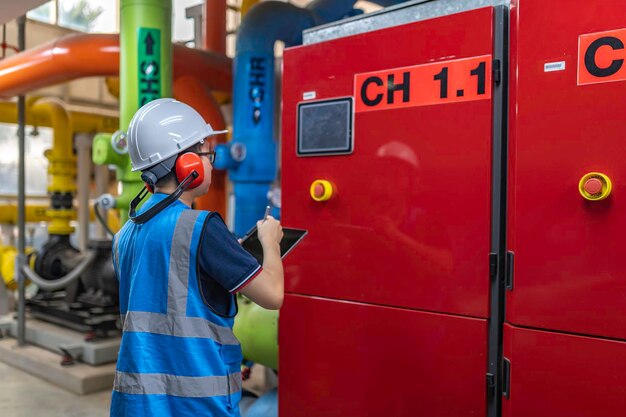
[
  {"x": 506, "y": 378},
  {"x": 493, "y": 265},
  {"x": 497, "y": 71},
  {"x": 508, "y": 278},
  {"x": 491, "y": 383}
]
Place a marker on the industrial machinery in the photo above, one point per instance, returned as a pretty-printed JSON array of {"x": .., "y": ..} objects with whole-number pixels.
[
  {"x": 79, "y": 287},
  {"x": 87, "y": 303},
  {"x": 76, "y": 289},
  {"x": 458, "y": 166}
]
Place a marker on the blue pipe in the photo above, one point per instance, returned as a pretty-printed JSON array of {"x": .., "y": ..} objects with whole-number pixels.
[{"x": 251, "y": 156}]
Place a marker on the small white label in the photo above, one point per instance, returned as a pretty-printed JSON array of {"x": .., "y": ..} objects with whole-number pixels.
[
  {"x": 554, "y": 66},
  {"x": 309, "y": 95}
]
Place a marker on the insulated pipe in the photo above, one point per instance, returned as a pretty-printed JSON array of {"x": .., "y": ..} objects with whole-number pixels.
[
  {"x": 254, "y": 167},
  {"x": 91, "y": 55},
  {"x": 81, "y": 122},
  {"x": 195, "y": 93},
  {"x": 253, "y": 130},
  {"x": 78, "y": 56},
  {"x": 257, "y": 331},
  {"x": 214, "y": 27},
  {"x": 61, "y": 167},
  {"x": 254, "y": 134},
  {"x": 222, "y": 97},
  {"x": 33, "y": 213},
  {"x": 145, "y": 72}
]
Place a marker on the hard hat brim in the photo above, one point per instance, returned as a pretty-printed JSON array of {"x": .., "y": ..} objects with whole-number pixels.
[{"x": 217, "y": 132}]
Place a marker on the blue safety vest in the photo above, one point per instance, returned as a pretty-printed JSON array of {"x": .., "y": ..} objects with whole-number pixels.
[{"x": 177, "y": 358}]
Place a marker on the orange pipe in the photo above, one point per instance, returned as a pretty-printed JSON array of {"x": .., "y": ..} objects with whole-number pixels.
[
  {"x": 215, "y": 26},
  {"x": 89, "y": 55},
  {"x": 77, "y": 56},
  {"x": 198, "y": 95}
]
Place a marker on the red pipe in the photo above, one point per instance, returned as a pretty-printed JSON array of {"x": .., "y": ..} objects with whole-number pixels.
[
  {"x": 88, "y": 55},
  {"x": 215, "y": 26},
  {"x": 196, "y": 93}
]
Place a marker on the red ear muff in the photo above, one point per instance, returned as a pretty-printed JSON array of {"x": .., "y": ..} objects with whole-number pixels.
[{"x": 186, "y": 164}]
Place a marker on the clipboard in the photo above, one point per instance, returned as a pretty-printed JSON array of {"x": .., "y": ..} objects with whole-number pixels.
[{"x": 291, "y": 237}]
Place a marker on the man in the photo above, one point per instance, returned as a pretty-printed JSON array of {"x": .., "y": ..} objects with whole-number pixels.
[{"x": 178, "y": 269}]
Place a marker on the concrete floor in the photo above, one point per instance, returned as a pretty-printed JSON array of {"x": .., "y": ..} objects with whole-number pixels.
[{"x": 23, "y": 395}]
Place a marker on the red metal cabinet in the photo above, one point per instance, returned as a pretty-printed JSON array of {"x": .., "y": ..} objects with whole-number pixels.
[
  {"x": 341, "y": 359},
  {"x": 563, "y": 375},
  {"x": 409, "y": 223},
  {"x": 569, "y": 252}
]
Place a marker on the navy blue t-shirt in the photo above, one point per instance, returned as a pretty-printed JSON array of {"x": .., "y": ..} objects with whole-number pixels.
[{"x": 224, "y": 267}]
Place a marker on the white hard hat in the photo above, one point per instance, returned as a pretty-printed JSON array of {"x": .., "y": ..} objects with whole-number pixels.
[{"x": 163, "y": 128}]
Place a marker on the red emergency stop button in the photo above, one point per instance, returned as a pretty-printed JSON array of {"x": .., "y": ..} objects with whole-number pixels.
[
  {"x": 595, "y": 186},
  {"x": 321, "y": 190}
]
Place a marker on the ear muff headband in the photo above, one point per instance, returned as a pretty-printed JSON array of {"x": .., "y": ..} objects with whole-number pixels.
[
  {"x": 153, "y": 211},
  {"x": 149, "y": 179},
  {"x": 186, "y": 164},
  {"x": 152, "y": 175}
]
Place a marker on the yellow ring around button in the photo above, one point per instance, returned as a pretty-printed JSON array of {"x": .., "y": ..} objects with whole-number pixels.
[
  {"x": 607, "y": 186},
  {"x": 328, "y": 190}
]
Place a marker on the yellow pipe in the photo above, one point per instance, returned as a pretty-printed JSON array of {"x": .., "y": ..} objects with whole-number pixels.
[
  {"x": 35, "y": 213},
  {"x": 51, "y": 113},
  {"x": 7, "y": 265},
  {"x": 61, "y": 167},
  {"x": 82, "y": 122}
]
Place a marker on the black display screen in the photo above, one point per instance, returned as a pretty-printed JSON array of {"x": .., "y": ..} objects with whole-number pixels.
[{"x": 325, "y": 127}]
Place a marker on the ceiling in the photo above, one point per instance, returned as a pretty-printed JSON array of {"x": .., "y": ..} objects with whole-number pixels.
[{"x": 11, "y": 9}]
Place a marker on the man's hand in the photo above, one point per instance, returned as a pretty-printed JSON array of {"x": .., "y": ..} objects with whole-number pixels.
[
  {"x": 270, "y": 232},
  {"x": 268, "y": 289}
]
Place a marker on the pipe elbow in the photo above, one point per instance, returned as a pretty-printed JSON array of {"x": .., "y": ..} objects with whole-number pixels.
[
  {"x": 61, "y": 123},
  {"x": 55, "y": 109},
  {"x": 270, "y": 21}
]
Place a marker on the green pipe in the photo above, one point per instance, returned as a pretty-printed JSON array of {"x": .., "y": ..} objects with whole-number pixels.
[
  {"x": 103, "y": 153},
  {"x": 145, "y": 72},
  {"x": 257, "y": 331}
]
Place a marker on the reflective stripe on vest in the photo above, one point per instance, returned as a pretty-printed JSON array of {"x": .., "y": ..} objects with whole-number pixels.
[
  {"x": 178, "y": 274},
  {"x": 180, "y": 386},
  {"x": 140, "y": 321},
  {"x": 116, "y": 252}
]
